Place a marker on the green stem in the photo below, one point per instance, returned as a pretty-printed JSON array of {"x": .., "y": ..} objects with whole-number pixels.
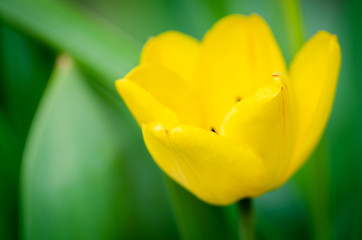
[{"x": 246, "y": 219}]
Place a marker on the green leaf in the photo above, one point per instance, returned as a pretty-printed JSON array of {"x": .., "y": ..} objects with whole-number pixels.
[
  {"x": 108, "y": 53},
  {"x": 25, "y": 68},
  {"x": 85, "y": 174},
  {"x": 294, "y": 24},
  {"x": 198, "y": 220},
  {"x": 9, "y": 172},
  {"x": 313, "y": 181}
]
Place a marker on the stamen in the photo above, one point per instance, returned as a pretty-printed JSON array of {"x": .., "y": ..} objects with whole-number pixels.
[{"x": 238, "y": 99}]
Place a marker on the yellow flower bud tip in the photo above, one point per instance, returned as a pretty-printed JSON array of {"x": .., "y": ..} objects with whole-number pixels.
[
  {"x": 280, "y": 80},
  {"x": 224, "y": 117}
]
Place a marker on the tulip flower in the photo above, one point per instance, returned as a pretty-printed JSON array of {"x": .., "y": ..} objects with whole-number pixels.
[{"x": 224, "y": 117}]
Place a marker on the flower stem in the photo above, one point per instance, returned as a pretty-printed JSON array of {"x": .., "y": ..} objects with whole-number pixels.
[{"x": 246, "y": 219}]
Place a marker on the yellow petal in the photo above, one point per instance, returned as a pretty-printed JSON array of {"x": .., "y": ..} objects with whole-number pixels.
[
  {"x": 263, "y": 124},
  {"x": 210, "y": 166},
  {"x": 175, "y": 51},
  {"x": 169, "y": 89},
  {"x": 314, "y": 73},
  {"x": 238, "y": 56},
  {"x": 144, "y": 107}
]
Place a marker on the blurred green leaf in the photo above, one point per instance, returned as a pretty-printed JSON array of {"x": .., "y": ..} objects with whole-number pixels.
[
  {"x": 198, "y": 220},
  {"x": 144, "y": 18},
  {"x": 25, "y": 68},
  {"x": 9, "y": 172},
  {"x": 99, "y": 47},
  {"x": 345, "y": 134},
  {"x": 218, "y": 8},
  {"x": 293, "y": 24},
  {"x": 85, "y": 175},
  {"x": 313, "y": 180},
  {"x": 282, "y": 214}
]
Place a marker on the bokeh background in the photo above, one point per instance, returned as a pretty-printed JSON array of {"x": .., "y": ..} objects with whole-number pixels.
[{"x": 72, "y": 160}]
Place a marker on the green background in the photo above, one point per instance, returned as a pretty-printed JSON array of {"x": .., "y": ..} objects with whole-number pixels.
[{"x": 73, "y": 164}]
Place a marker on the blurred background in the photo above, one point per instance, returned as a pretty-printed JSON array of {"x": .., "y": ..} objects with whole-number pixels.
[{"x": 73, "y": 164}]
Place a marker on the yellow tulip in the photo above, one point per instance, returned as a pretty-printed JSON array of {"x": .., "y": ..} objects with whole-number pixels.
[{"x": 224, "y": 117}]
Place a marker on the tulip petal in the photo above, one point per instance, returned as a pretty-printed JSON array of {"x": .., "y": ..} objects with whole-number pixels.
[
  {"x": 144, "y": 107},
  {"x": 212, "y": 167},
  {"x": 174, "y": 51},
  {"x": 238, "y": 56},
  {"x": 169, "y": 89},
  {"x": 314, "y": 73},
  {"x": 263, "y": 123}
]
